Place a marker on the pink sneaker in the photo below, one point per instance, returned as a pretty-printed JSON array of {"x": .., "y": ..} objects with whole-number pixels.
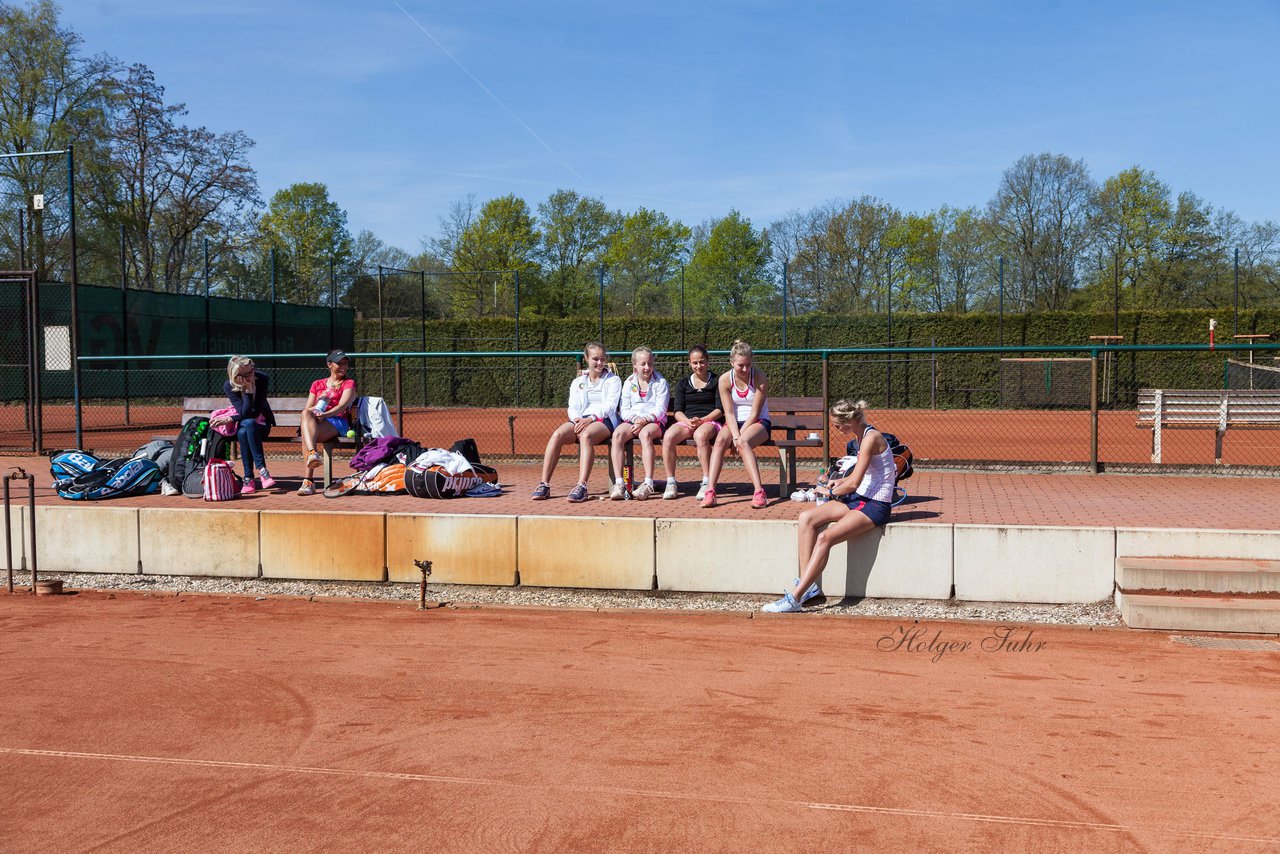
[
  {"x": 248, "y": 488},
  {"x": 758, "y": 499},
  {"x": 267, "y": 481},
  {"x": 709, "y": 498}
]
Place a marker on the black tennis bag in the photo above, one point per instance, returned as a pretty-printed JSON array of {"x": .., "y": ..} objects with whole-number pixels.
[
  {"x": 196, "y": 445},
  {"x": 434, "y": 481}
]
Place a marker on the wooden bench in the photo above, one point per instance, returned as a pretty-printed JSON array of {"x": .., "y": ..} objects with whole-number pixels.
[
  {"x": 795, "y": 418},
  {"x": 288, "y": 412},
  {"x": 1172, "y": 409}
]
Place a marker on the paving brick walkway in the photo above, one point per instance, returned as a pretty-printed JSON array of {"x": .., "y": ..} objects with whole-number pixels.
[{"x": 1158, "y": 501}]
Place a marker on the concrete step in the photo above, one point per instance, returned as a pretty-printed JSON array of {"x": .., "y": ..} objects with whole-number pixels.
[
  {"x": 1198, "y": 574},
  {"x": 1199, "y": 613}
]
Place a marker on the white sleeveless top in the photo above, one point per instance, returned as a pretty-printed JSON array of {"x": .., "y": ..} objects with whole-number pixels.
[
  {"x": 881, "y": 475},
  {"x": 744, "y": 400}
]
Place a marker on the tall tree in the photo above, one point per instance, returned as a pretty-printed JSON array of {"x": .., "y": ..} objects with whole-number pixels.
[
  {"x": 1041, "y": 214},
  {"x": 171, "y": 184},
  {"x": 51, "y": 95},
  {"x": 728, "y": 270},
  {"x": 308, "y": 231},
  {"x": 644, "y": 259},
  {"x": 499, "y": 241},
  {"x": 575, "y": 235}
]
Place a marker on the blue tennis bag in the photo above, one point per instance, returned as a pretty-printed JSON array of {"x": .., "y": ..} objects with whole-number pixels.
[
  {"x": 69, "y": 465},
  {"x": 112, "y": 479}
]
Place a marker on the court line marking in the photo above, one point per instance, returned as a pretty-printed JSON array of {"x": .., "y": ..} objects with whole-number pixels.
[{"x": 645, "y": 793}]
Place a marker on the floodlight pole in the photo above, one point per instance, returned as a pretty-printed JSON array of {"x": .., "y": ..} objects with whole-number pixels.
[{"x": 75, "y": 302}]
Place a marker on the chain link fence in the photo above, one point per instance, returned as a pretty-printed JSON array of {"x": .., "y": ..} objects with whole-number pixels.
[{"x": 1018, "y": 409}]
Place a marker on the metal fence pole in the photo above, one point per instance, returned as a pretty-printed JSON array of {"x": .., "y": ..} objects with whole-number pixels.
[
  {"x": 75, "y": 297},
  {"x": 1001, "y": 302},
  {"x": 37, "y": 412},
  {"x": 333, "y": 305},
  {"x": 124, "y": 323},
  {"x": 382, "y": 340},
  {"x": 517, "y": 295},
  {"x": 1235, "y": 315},
  {"x": 683, "y": 344},
  {"x": 826, "y": 407},
  {"x": 422, "y": 281},
  {"x": 602, "y": 305},
  {"x": 1093, "y": 412},
  {"x": 274, "y": 347},
  {"x": 399, "y": 399}
]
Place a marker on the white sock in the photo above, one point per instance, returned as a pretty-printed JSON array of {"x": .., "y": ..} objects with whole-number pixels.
[
  {"x": 264, "y": 473},
  {"x": 671, "y": 480},
  {"x": 706, "y": 480},
  {"x": 648, "y": 481},
  {"x": 619, "y": 481}
]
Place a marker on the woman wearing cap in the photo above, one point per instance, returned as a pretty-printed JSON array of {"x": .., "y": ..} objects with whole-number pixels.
[
  {"x": 326, "y": 413},
  {"x": 246, "y": 388}
]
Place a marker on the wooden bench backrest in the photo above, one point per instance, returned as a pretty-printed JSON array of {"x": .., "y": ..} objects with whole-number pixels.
[
  {"x": 1204, "y": 406},
  {"x": 288, "y": 410}
]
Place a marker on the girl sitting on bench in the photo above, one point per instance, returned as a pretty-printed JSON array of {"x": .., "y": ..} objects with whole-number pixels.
[
  {"x": 744, "y": 399},
  {"x": 326, "y": 414},
  {"x": 593, "y": 413}
]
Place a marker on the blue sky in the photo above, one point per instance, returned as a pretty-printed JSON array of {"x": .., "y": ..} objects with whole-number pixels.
[{"x": 695, "y": 108}]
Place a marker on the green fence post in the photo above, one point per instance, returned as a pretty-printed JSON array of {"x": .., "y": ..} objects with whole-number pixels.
[{"x": 1093, "y": 412}]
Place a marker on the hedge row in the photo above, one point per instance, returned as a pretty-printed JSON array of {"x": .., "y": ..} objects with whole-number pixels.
[{"x": 919, "y": 382}]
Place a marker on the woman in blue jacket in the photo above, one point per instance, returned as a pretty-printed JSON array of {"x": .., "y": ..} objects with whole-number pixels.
[{"x": 246, "y": 388}]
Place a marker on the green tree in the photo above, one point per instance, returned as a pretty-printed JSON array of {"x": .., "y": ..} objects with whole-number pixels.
[
  {"x": 575, "y": 236},
  {"x": 728, "y": 270},
  {"x": 308, "y": 232},
  {"x": 51, "y": 95},
  {"x": 1132, "y": 213},
  {"x": 501, "y": 239},
  {"x": 643, "y": 260}
]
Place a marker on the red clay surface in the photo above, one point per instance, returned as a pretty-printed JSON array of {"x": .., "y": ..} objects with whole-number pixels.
[
  {"x": 206, "y": 723},
  {"x": 1078, "y": 500},
  {"x": 968, "y": 434}
]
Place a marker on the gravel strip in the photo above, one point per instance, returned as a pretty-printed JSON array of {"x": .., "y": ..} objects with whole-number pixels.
[{"x": 455, "y": 595}]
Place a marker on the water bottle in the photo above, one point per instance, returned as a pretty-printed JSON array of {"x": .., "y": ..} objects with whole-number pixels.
[{"x": 322, "y": 404}]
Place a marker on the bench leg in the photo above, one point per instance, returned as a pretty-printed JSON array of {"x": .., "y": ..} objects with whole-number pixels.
[
  {"x": 786, "y": 471},
  {"x": 1217, "y": 447},
  {"x": 1155, "y": 441},
  {"x": 327, "y": 451}
]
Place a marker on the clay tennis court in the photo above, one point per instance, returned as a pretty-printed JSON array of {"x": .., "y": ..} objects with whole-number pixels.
[{"x": 135, "y": 722}]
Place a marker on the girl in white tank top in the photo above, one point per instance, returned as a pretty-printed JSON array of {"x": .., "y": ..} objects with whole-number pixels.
[{"x": 857, "y": 510}]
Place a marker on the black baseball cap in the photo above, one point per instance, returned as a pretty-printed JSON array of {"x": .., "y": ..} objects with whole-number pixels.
[{"x": 336, "y": 356}]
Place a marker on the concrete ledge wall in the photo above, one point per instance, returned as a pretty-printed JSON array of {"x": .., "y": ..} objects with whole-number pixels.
[
  {"x": 87, "y": 538},
  {"x": 1189, "y": 542},
  {"x": 612, "y": 554},
  {"x": 740, "y": 556},
  {"x": 215, "y": 542},
  {"x": 1034, "y": 563},
  {"x": 462, "y": 549},
  {"x": 925, "y": 561},
  {"x": 337, "y": 547}
]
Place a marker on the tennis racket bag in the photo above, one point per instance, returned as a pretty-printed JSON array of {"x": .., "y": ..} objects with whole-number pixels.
[
  {"x": 69, "y": 465},
  {"x": 112, "y": 479},
  {"x": 384, "y": 479},
  {"x": 435, "y": 481},
  {"x": 220, "y": 482}
]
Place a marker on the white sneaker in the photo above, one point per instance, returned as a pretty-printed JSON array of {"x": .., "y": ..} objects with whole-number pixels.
[
  {"x": 702, "y": 490},
  {"x": 786, "y": 605},
  {"x": 813, "y": 592},
  {"x": 618, "y": 491},
  {"x": 671, "y": 492},
  {"x": 802, "y": 495},
  {"x": 643, "y": 491}
]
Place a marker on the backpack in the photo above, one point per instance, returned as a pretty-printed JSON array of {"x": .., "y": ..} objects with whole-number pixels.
[
  {"x": 377, "y": 451},
  {"x": 902, "y": 456},
  {"x": 112, "y": 479},
  {"x": 468, "y": 449},
  {"x": 220, "y": 481},
  {"x": 196, "y": 445},
  {"x": 69, "y": 465}
]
